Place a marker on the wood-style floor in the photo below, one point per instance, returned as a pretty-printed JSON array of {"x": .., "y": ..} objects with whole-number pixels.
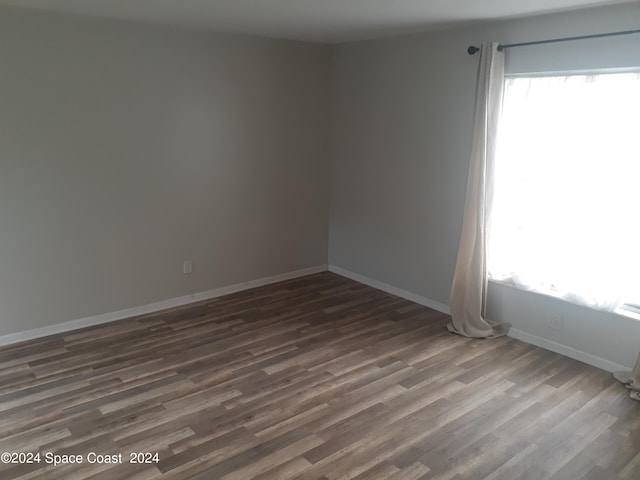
[{"x": 314, "y": 378}]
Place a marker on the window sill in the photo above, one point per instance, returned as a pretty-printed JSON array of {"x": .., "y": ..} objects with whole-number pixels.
[
  {"x": 622, "y": 311},
  {"x": 627, "y": 313}
]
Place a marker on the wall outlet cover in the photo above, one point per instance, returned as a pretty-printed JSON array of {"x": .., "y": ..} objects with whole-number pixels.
[{"x": 187, "y": 267}]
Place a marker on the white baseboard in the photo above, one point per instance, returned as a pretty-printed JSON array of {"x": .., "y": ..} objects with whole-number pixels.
[
  {"x": 555, "y": 347},
  {"x": 570, "y": 352},
  {"x": 152, "y": 307},
  {"x": 218, "y": 292},
  {"x": 385, "y": 287}
]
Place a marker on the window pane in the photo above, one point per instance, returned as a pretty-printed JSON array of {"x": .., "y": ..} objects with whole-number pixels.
[{"x": 565, "y": 217}]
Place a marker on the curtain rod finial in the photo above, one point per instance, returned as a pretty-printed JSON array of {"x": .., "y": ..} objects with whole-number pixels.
[{"x": 472, "y": 50}]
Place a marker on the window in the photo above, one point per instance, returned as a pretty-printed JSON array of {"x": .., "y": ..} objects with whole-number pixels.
[{"x": 566, "y": 210}]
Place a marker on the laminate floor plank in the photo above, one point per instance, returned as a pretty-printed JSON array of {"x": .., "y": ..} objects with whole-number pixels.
[{"x": 316, "y": 378}]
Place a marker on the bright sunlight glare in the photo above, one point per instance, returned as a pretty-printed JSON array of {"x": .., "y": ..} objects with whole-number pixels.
[{"x": 565, "y": 217}]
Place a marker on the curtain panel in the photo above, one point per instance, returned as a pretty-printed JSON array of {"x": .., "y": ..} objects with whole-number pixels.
[{"x": 469, "y": 288}]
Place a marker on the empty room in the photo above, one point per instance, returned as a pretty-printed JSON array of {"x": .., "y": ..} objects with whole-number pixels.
[{"x": 319, "y": 240}]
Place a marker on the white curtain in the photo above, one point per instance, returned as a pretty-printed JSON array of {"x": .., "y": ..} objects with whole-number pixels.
[
  {"x": 565, "y": 219},
  {"x": 631, "y": 380},
  {"x": 469, "y": 289}
]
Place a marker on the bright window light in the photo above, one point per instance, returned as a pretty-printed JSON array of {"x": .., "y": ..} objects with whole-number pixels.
[{"x": 566, "y": 211}]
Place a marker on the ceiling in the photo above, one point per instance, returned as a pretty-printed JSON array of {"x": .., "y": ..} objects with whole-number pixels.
[{"x": 326, "y": 21}]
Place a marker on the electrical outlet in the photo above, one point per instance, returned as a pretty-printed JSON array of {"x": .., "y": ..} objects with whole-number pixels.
[
  {"x": 187, "y": 267},
  {"x": 555, "y": 322}
]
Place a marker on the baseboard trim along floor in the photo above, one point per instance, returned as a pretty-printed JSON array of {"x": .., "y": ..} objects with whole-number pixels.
[
  {"x": 541, "y": 342},
  {"x": 385, "y": 287},
  {"x": 68, "y": 326},
  {"x": 63, "y": 327}
]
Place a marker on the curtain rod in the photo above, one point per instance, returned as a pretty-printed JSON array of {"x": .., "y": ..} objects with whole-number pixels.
[{"x": 473, "y": 49}]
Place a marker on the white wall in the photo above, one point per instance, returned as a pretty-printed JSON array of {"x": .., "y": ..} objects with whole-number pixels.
[
  {"x": 127, "y": 148},
  {"x": 401, "y": 125}
]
